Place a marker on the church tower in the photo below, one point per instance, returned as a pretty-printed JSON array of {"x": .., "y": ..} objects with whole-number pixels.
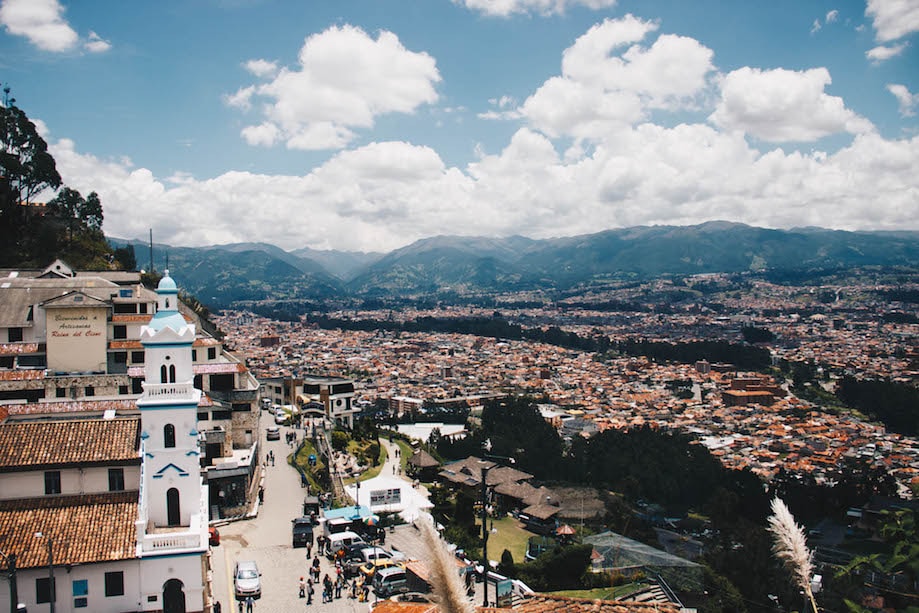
[{"x": 172, "y": 486}]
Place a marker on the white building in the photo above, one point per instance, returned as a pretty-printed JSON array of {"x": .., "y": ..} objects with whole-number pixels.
[{"x": 111, "y": 514}]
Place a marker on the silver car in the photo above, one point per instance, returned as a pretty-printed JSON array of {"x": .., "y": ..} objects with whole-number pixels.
[{"x": 246, "y": 580}]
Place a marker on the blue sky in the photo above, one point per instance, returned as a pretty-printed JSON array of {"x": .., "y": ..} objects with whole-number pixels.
[{"x": 367, "y": 125}]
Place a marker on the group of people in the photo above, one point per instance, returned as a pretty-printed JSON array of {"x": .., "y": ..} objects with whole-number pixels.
[{"x": 331, "y": 588}]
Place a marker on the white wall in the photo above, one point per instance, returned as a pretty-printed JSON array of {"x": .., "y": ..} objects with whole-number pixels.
[
  {"x": 143, "y": 578},
  {"x": 29, "y": 484}
]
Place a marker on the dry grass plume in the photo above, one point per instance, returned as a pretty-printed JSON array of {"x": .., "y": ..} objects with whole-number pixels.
[
  {"x": 445, "y": 579},
  {"x": 790, "y": 546}
]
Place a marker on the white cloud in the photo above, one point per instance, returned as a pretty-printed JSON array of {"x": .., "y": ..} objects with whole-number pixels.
[
  {"x": 832, "y": 16},
  {"x": 893, "y": 19},
  {"x": 506, "y": 8},
  {"x": 815, "y": 27},
  {"x": 388, "y": 194},
  {"x": 908, "y": 102},
  {"x": 784, "y": 106},
  {"x": 600, "y": 90},
  {"x": 881, "y": 52},
  {"x": 95, "y": 44},
  {"x": 345, "y": 79},
  {"x": 241, "y": 98},
  {"x": 261, "y": 68},
  {"x": 41, "y": 21}
]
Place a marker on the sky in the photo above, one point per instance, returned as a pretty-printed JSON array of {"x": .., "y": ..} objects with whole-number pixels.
[{"x": 365, "y": 125}]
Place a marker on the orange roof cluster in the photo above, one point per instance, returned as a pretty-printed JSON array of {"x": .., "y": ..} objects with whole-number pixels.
[
  {"x": 67, "y": 520},
  {"x": 34, "y": 444}
]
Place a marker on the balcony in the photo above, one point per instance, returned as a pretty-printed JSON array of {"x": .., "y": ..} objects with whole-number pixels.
[{"x": 168, "y": 390}]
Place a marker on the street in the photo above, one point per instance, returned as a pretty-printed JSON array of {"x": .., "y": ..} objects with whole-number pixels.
[{"x": 266, "y": 539}]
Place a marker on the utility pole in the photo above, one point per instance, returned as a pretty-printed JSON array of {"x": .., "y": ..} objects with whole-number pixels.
[
  {"x": 11, "y": 572},
  {"x": 485, "y": 564},
  {"x": 52, "y": 591}
]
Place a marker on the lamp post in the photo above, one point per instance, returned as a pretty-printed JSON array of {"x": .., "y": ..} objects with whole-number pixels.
[
  {"x": 51, "y": 588},
  {"x": 485, "y": 565},
  {"x": 11, "y": 571}
]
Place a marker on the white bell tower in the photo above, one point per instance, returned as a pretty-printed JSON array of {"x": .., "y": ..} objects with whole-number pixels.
[{"x": 172, "y": 486}]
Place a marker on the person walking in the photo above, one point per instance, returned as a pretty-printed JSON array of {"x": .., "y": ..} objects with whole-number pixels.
[
  {"x": 338, "y": 583},
  {"x": 309, "y": 548},
  {"x": 302, "y": 588},
  {"x": 309, "y": 591},
  {"x": 327, "y": 588},
  {"x": 250, "y": 604}
]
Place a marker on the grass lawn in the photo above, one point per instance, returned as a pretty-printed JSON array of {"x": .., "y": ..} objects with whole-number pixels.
[
  {"x": 371, "y": 472},
  {"x": 509, "y": 536},
  {"x": 601, "y": 593}
]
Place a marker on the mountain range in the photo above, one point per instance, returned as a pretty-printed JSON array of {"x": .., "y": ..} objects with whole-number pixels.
[{"x": 223, "y": 274}]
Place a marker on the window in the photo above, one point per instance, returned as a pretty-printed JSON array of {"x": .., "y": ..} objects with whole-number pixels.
[
  {"x": 114, "y": 583},
  {"x": 211, "y": 353},
  {"x": 44, "y": 590},
  {"x": 194, "y": 355},
  {"x": 116, "y": 479},
  {"x": 52, "y": 483},
  {"x": 137, "y": 386},
  {"x": 137, "y": 357},
  {"x": 172, "y": 373},
  {"x": 120, "y": 332},
  {"x": 203, "y": 416},
  {"x": 121, "y": 357},
  {"x": 61, "y": 392},
  {"x": 15, "y": 335},
  {"x": 89, "y": 390},
  {"x": 80, "y": 593},
  {"x": 169, "y": 435},
  {"x": 220, "y": 415},
  {"x": 122, "y": 390},
  {"x": 142, "y": 308},
  {"x": 163, "y": 376}
]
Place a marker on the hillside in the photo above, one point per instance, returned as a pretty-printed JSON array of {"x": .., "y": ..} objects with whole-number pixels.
[{"x": 221, "y": 275}]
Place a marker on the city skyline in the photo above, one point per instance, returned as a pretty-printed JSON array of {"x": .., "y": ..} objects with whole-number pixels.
[{"x": 368, "y": 125}]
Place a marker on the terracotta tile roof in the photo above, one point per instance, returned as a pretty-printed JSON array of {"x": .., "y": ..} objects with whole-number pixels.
[
  {"x": 71, "y": 406},
  {"x": 21, "y": 375},
  {"x": 84, "y": 529},
  {"x": 540, "y": 603},
  {"x": 36, "y": 444},
  {"x": 131, "y": 318},
  {"x": 125, "y": 345},
  {"x": 545, "y": 603},
  {"x": 18, "y": 348}
]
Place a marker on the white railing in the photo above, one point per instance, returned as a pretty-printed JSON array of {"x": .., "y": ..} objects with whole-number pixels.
[{"x": 158, "y": 390}]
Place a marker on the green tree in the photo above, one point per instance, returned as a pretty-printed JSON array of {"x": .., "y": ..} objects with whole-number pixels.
[
  {"x": 340, "y": 440},
  {"x": 26, "y": 170},
  {"x": 126, "y": 258},
  {"x": 76, "y": 213}
]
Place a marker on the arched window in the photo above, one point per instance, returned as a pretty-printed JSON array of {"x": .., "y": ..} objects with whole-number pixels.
[
  {"x": 167, "y": 303},
  {"x": 174, "y": 597},
  {"x": 173, "y": 514},
  {"x": 172, "y": 373},
  {"x": 169, "y": 435},
  {"x": 163, "y": 376}
]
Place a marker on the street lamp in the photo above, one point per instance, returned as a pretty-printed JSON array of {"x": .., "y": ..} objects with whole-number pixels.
[
  {"x": 485, "y": 565},
  {"x": 52, "y": 590}
]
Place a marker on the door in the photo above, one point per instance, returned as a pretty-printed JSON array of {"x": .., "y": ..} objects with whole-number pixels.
[{"x": 173, "y": 597}]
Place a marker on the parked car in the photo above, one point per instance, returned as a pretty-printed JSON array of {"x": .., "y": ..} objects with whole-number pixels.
[
  {"x": 247, "y": 580},
  {"x": 302, "y": 530},
  {"x": 280, "y": 416},
  {"x": 389, "y": 581},
  {"x": 371, "y": 569},
  {"x": 213, "y": 536},
  {"x": 273, "y": 433}
]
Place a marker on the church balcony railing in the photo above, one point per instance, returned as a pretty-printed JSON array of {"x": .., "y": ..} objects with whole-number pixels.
[{"x": 157, "y": 390}]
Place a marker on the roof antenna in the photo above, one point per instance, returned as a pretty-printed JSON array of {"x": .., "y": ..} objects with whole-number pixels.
[{"x": 152, "y": 270}]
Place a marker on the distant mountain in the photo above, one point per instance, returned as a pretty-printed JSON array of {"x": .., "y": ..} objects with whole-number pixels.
[
  {"x": 342, "y": 264},
  {"x": 224, "y": 274},
  {"x": 221, "y": 275}
]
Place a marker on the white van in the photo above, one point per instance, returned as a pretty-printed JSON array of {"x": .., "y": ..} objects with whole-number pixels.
[
  {"x": 389, "y": 581},
  {"x": 340, "y": 540},
  {"x": 335, "y": 525}
]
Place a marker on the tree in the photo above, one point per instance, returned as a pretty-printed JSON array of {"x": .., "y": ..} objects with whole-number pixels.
[
  {"x": 26, "y": 169},
  {"x": 126, "y": 258}
]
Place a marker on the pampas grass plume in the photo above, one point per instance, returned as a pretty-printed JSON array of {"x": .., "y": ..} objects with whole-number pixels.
[
  {"x": 445, "y": 579},
  {"x": 790, "y": 547}
]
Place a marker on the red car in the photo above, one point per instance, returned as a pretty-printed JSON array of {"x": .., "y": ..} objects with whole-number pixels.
[{"x": 213, "y": 536}]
